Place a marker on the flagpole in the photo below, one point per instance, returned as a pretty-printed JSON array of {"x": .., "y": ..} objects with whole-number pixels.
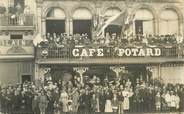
[{"x": 126, "y": 10}]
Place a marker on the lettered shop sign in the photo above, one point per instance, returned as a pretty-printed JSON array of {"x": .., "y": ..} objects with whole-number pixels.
[{"x": 121, "y": 52}]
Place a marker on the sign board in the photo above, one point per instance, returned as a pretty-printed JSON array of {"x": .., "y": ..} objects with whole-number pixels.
[{"x": 121, "y": 52}]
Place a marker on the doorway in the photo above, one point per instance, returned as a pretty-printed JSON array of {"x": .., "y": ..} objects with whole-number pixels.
[
  {"x": 26, "y": 78},
  {"x": 139, "y": 26},
  {"x": 138, "y": 72},
  {"x": 82, "y": 27},
  {"x": 55, "y": 26}
]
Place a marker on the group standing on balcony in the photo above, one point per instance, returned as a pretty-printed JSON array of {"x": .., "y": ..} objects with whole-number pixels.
[
  {"x": 16, "y": 15},
  {"x": 63, "y": 39}
]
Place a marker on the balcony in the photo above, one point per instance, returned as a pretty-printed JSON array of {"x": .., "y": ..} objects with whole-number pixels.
[
  {"x": 112, "y": 49},
  {"x": 17, "y": 22},
  {"x": 109, "y": 55},
  {"x": 16, "y": 49}
]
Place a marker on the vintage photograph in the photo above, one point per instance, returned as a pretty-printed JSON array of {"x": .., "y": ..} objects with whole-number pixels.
[{"x": 91, "y": 56}]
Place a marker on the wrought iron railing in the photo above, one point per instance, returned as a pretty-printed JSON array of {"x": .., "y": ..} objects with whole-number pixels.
[
  {"x": 17, "y": 20},
  {"x": 108, "y": 52}
]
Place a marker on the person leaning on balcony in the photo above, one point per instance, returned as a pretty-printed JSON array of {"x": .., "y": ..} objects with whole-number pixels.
[
  {"x": 86, "y": 39},
  {"x": 113, "y": 39},
  {"x": 81, "y": 41},
  {"x": 144, "y": 40},
  {"x": 19, "y": 13},
  {"x": 48, "y": 35},
  {"x": 71, "y": 41},
  {"x": 179, "y": 39},
  {"x": 27, "y": 10},
  {"x": 124, "y": 40},
  {"x": 54, "y": 37}
]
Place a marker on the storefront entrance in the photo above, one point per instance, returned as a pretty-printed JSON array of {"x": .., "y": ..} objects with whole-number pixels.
[{"x": 132, "y": 72}]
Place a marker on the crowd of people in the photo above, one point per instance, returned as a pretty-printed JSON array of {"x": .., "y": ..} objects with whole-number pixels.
[
  {"x": 95, "y": 95},
  {"x": 63, "y": 39}
]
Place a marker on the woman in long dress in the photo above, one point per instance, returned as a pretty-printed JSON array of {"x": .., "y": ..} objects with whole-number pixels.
[
  {"x": 64, "y": 100},
  {"x": 108, "y": 103},
  {"x": 115, "y": 103},
  {"x": 93, "y": 103},
  {"x": 126, "y": 103}
]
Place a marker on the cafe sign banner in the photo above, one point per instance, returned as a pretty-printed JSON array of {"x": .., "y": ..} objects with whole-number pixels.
[{"x": 121, "y": 52}]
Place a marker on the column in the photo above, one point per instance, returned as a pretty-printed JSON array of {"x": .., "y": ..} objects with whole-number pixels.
[
  {"x": 117, "y": 70},
  {"x": 180, "y": 27},
  {"x": 71, "y": 26},
  {"x": 43, "y": 27},
  {"x": 39, "y": 74},
  {"x": 67, "y": 26},
  {"x": 81, "y": 71},
  {"x": 156, "y": 26},
  {"x": 39, "y": 16},
  {"x": 36, "y": 72},
  {"x": 159, "y": 71}
]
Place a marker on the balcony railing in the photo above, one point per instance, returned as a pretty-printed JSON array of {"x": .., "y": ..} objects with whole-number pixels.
[
  {"x": 108, "y": 52},
  {"x": 16, "y": 20}
]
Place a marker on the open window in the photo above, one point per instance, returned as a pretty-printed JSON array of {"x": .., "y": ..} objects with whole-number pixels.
[
  {"x": 55, "y": 21},
  {"x": 82, "y": 22}
]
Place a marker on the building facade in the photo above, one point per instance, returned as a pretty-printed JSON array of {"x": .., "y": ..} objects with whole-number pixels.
[
  {"x": 152, "y": 17},
  {"x": 17, "y": 29}
]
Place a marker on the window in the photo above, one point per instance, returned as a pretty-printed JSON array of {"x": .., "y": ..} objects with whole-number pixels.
[
  {"x": 55, "y": 21},
  {"x": 144, "y": 22},
  {"x": 18, "y": 37},
  {"x": 82, "y": 22},
  {"x": 169, "y": 22},
  {"x": 16, "y": 6}
]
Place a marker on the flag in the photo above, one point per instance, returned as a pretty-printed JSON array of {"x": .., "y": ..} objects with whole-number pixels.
[
  {"x": 95, "y": 21},
  {"x": 118, "y": 19},
  {"x": 37, "y": 39},
  {"x": 129, "y": 21}
]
